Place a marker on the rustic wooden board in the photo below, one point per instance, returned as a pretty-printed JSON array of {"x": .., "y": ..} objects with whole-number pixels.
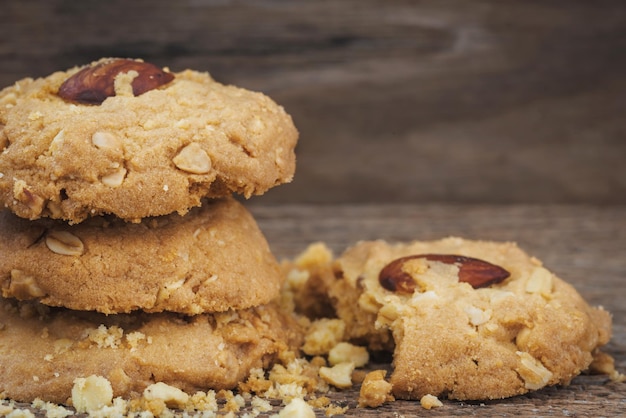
[{"x": 399, "y": 101}]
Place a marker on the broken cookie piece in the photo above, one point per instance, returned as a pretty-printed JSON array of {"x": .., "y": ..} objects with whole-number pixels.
[{"x": 464, "y": 319}]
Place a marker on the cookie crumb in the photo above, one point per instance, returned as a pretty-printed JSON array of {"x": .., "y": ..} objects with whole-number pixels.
[
  {"x": 430, "y": 401},
  {"x": 173, "y": 397},
  {"x": 204, "y": 401},
  {"x": 297, "y": 408},
  {"x": 323, "y": 335},
  {"x": 133, "y": 339},
  {"x": 6, "y": 409},
  {"x": 605, "y": 364},
  {"x": 260, "y": 405},
  {"x": 21, "y": 413},
  {"x": 339, "y": 375},
  {"x": 333, "y": 410},
  {"x": 52, "y": 410},
  {"x": 234, "y": 403},
  {"x": 105, "y": 337},
  {"x": 375, "y": 390}
]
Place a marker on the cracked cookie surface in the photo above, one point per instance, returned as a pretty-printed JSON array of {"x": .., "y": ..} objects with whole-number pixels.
[
  {"x": 152, "y": 154},
  {"x": 212, "y": 259},
  {"x": 459, "y": 338}
]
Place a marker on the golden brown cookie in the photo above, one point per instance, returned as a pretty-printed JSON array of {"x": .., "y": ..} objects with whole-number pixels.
[
  {"x": 126, "y": 138},
  {"x": 214, "y": 258},
  {"x": 464, "y": 319},
  {"x": 44, "y": 349}
]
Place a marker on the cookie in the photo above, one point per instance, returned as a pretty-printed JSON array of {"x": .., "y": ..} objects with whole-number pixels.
[
  {"x": 212, "y": 259},
  {"x": 123, "y": 137},
  {"x": 465, "y": 319},
  {"x": 45, "y": 349}
]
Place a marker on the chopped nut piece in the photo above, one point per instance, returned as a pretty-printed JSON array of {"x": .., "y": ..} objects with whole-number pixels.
[
  {"x": 477, "y": 316},
  {"x": 346, "y": 352},
  {"x": 104, "y": 337},
  {"x": 91, "y": 394},
  {"x": 173, "y": 397},
  {"x": 62, "y": 345},
  {"x": 430, "y": 401},
  {"x": 534, "y": 373},
  {"x": 64, "y": 243},
  {"x": 540, "y": 281},
  {"x": 521, "y": 340},
  {"x": 193, "y": 159},
  {"x": 114, "y": 179},
  {"x": 23, "y": 286},
  {"x": 23, "y": 194},
  {"x": 57, "y": 141},
  {"x": 339, "y": 375},
  {"x": 5, "y": 410},
  {"x": 106, "y": 140}
]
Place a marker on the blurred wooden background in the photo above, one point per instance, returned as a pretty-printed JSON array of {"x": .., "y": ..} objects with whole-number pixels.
[{"x": 397, "y": 101}]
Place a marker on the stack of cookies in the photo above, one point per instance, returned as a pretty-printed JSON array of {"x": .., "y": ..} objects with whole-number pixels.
[{"x": 123, "y": 253}]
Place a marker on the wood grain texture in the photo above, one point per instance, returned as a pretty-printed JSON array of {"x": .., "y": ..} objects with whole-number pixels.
[{"x": 396, "y": 101}]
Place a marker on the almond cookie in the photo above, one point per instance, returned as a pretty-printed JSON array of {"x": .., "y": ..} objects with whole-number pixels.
[
  {"x": 43, "y": 350},
  {"x": 465, "y": 319},
  {"x": 124, "y": 137},
  {"x": 214, "y": 258}
]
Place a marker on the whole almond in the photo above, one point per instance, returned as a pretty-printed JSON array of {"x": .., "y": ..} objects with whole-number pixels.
[
  {"x": 93, "y": 84},
  {"x": 478, "y": 273}
]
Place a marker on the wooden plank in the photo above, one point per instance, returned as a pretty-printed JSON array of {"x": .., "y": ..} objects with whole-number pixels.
[{"x": 396, "y": 101}]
